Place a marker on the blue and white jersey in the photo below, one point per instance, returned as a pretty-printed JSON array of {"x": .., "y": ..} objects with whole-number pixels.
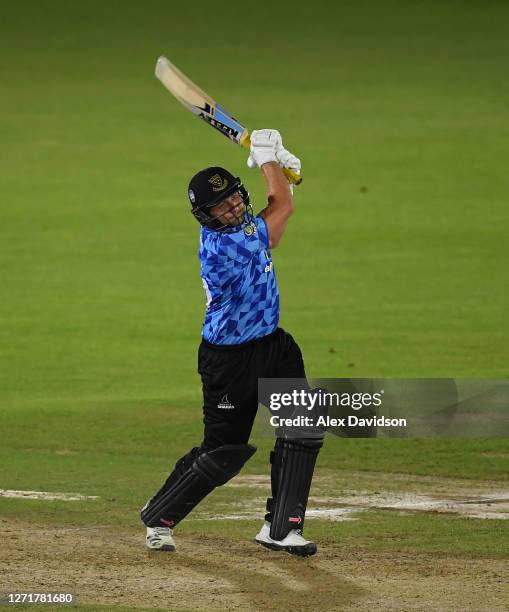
[{"x": 240, "y": 284}]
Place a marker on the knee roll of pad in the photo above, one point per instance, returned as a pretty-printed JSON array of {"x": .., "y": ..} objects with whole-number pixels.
[{"x": 182, "y": 493}]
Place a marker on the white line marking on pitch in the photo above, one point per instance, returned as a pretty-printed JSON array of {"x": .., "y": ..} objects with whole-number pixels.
[
  {"x": 494, "y": 506},
  {"x": 46, "y": 495},
  {"x": 485, "y": 505}
]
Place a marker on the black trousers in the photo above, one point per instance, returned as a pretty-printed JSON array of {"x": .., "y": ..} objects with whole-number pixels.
[
  {"x": 229, "y": 377},
  {"x": 230, "y": 394}
]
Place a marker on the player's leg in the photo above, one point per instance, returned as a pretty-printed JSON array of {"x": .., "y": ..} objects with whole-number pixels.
[
  {"x": 193, "y": 479},
  {"x": 292, "y": 467},
  {"x": 160, "y": 537},
  {"x": 230, "y": 403},
  {"x": 287, "y": 357},
  {"x": 230, "y": 393}
]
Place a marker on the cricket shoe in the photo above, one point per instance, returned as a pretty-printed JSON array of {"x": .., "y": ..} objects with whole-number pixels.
[
  {"x": 160, "y": 538},
  {"x": 294, "y": 543}
]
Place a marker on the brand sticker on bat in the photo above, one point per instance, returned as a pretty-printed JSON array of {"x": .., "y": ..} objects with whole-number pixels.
[{"x": 222, "y": 127}]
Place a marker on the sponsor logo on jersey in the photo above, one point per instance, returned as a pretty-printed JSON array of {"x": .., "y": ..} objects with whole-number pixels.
[
  {"x": 269, "y": 266},
  {"x": 224, "y": 404}
]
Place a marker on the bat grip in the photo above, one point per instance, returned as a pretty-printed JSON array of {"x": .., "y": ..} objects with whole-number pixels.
[{"x": 293, "y": 177}]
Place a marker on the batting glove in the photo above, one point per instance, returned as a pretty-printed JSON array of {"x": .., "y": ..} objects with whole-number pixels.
[
  {"x": 288, "y": 160},
  {"x": 264, "y": 145}
]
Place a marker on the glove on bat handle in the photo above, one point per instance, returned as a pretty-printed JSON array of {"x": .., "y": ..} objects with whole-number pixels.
[{"x": 293, "y": 177}]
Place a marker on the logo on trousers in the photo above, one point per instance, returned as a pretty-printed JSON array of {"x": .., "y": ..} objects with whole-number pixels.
[{"x": 224, "y": 404}]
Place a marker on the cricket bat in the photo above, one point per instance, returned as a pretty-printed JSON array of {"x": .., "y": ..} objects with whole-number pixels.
[{"x": 202, "y": 105}]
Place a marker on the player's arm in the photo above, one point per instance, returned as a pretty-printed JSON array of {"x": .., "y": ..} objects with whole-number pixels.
[
  {"x": 280, "y": 202},
  {"x": 267, "y": 153}
]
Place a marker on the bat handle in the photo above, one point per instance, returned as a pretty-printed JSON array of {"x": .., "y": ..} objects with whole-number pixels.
[{"x": 291, "y": 175}]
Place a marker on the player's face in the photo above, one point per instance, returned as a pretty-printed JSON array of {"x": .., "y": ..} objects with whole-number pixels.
[{"x": 230, "y": 211}]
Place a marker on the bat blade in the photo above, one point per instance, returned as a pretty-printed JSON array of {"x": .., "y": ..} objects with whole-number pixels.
[
  {"x": 198, "y": 102},
  {"x": 205, "y": 107}
]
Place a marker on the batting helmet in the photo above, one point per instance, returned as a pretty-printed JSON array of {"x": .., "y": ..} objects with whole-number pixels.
[{"x": 208, "y": 188}]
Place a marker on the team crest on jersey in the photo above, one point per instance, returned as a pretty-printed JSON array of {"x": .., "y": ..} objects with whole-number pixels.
[
  {"x": 250, "y": 229},
  {"x": 218, "y": 184}
]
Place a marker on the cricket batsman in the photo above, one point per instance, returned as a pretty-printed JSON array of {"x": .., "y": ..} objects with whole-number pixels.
[{"x": 241, "y": 342}]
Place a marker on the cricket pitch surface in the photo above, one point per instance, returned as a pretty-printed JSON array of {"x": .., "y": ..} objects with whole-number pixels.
[{"x": 109, "y": 567}]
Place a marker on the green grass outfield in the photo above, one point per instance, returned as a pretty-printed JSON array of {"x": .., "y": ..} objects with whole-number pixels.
[{"x": 394, "y": 264}]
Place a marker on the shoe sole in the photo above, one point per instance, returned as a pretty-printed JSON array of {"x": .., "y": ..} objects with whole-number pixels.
[
  {"x": 308, "y": 550},
  {"x": 164, "y": 548}
]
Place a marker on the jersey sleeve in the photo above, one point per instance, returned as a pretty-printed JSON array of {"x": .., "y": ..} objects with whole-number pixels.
[{"x": 245, "y": 243}]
